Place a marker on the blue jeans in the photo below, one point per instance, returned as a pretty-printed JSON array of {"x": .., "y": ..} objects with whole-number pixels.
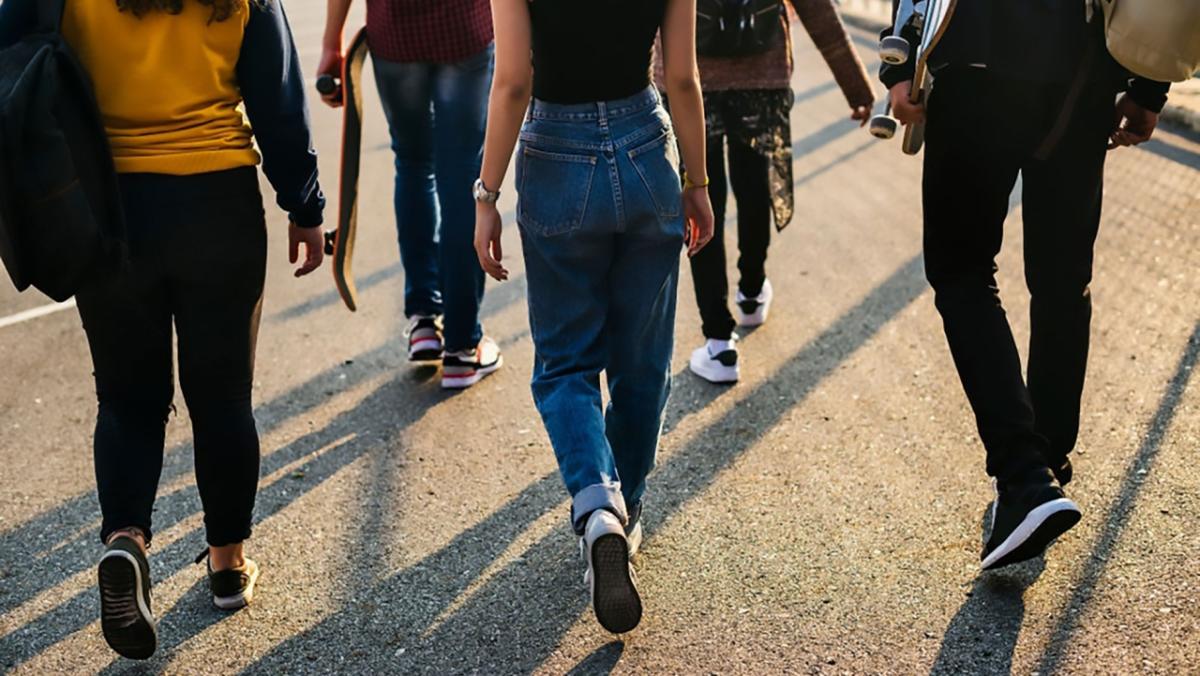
[
  {"x": 437, "y": 114},
  {"x": 599, "y": 210}
]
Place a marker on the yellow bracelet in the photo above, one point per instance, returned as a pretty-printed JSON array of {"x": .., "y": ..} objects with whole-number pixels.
[{"x": 688, "y": 184}]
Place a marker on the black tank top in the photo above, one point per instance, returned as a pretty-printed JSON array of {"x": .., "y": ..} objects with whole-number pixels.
[{"x": 592, "y": 50}]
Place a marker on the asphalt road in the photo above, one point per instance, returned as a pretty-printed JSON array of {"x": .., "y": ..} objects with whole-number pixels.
[{"x": 823, "y": 516}]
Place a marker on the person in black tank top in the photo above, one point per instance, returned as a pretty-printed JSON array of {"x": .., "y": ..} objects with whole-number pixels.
[{"x": 603, "y": 214}]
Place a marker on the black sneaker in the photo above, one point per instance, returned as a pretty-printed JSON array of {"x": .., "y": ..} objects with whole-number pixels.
[
  {"x": 232, "y": 589},
  {"x": 1027, "y": 515},
  {"x": 125, "y": 616},
  {"x": 1063, "y": 471},
  {"x": 461, "y": 370}
]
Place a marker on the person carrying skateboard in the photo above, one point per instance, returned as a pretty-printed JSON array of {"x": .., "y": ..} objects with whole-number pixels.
[
  {"x": 433, "y": 68},
  {"x": 603, "y": 217},
  {"x": 1021, "y": 87},
  {"x": 747, "y": 104},
  {"x": 169, "y": 77}
]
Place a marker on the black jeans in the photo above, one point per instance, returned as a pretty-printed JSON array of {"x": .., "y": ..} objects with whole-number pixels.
[
  {"x": 982, "y": 132},
  {"x": 748, "y": 177},
  {"x": 198, "y": 259}
]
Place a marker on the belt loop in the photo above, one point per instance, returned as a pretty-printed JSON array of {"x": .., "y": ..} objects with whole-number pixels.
[{"x": 602, "y": 109}]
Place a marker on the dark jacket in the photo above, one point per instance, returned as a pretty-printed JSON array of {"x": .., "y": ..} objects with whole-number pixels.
[{"x": 1032, "y": 40}]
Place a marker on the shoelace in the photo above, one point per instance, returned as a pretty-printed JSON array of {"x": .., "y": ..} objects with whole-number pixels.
[{"x": 416, "y": 321}]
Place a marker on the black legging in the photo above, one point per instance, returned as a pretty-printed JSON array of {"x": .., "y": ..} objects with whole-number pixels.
[
  {"x": 198, "y": 257},
  {"x": 749, "y": 180}
]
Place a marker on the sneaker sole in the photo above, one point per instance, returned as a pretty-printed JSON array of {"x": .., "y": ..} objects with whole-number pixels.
[
  {"x": 748, "y": 321},
  {"x": 614, "y": 595},
  {"x": 239, "y": 600},
  {"x": 463, "y": 381},
  {"x": 1031, "y": 537},
  {"x": 425, "y": 350},
  {"x": 724, "y": 375},
  {"x": 125, "y": 616}
]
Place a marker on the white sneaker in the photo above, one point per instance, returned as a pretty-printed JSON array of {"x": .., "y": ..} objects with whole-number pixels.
[
  {"x": 716, "y": 361},
  {"x": 424, "y": 339},
  {"x": 463, "y": 369},
  {"x": 609, "y": 575},
  {"x": 753, "y": 311}
]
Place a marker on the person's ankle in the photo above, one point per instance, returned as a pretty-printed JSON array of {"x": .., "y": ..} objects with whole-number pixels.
[
  {"x": 227, "y": 557},
  {"x": 133, "y": 533}
]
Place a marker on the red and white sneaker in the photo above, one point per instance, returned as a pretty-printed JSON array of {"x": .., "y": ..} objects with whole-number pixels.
[
  {"x": 461, "y": 370},
  {"x": 424, "y": 339}
]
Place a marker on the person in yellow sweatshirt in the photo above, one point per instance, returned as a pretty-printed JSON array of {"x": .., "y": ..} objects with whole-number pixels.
[{"x": 172, "y": 78}]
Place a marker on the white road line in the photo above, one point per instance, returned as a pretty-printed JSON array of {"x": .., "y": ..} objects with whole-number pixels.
[{"x": 36, "y": 312}]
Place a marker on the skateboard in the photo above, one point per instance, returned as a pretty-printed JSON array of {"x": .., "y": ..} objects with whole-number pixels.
[
  {"x": 893, "y": 50},
  {"x": 931, "y": 23},
  {"x": 339, "y": 243}
]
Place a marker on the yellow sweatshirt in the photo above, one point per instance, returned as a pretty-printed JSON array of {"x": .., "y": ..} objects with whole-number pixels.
[{"x": 166, "y": 85}]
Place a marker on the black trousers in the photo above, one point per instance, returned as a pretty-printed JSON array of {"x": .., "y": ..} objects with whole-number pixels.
[
  {"x": 751, "y": 187},
  {"x": 984, "y": 131},
  {"x": 198, "y": 259}
]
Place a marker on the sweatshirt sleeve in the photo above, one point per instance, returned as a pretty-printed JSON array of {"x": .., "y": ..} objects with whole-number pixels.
[
  {"x": 18, "y": 18},
  {"x": 1149, "y": 94},
  {"x": 824, "y": 26},
  {"x": 272, "y": 87}
]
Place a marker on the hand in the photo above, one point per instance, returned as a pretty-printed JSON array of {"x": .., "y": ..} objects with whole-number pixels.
[
  {"x": 902, "y": 108},
  {"x": 1132, "y": 124},
  {"x": 862, "y": 114},
  {"x": 488, "y": 229},
  {"x": 314, "y": 247},
  {"x": 331, "y": 64},
  {"x": 698, "y": 219}
]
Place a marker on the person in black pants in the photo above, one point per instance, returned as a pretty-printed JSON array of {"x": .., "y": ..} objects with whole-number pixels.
[
  {"x": 1022, "y": 88},
  {"x": 171, "y": 89}
]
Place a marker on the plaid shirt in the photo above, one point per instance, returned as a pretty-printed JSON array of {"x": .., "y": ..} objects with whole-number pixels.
[{"x": 428, "y": 31}]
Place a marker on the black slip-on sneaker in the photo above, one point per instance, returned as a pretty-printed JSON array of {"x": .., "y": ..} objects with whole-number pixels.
[
  {"x": 232, "y": 589},
  {"x": 125, "y": 616},
  {"x": 1028, "y": 514}
]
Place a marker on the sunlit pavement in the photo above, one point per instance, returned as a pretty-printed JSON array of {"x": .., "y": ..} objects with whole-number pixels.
[{"x": 822, "y": 516}]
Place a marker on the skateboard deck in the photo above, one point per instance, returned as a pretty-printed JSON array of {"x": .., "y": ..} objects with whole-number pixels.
[
  {"x": 933, "y": 26},
  {"x": 339, "y": 243}
]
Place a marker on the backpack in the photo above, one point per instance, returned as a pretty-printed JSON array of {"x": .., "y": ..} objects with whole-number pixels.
[
  {"x": 60, "y": 217},
  {"x": 729, "y": 28},
  {"x": 1156, "y": 39}
]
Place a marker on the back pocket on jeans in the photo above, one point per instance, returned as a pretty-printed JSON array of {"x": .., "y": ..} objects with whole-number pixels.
[
  {"x": 657, "y": 163},
  {"x": 553, "y": 190}
]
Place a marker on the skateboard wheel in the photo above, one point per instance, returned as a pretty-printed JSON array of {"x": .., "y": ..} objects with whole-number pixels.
[
  {"x": 326, "y": 85},
  {"x": 883, "y": 126},
  {"x": 893, "y": 50},
  {"x": 330, "y": 242}
]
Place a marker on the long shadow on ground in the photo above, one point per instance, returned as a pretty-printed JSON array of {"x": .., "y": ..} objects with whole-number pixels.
[{"x": 514, "y": 620}]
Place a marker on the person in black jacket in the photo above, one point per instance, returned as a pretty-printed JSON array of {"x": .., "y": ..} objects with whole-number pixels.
[
  {"x": 171, "y": 78},
  {"x": 1021, "y": 87}
]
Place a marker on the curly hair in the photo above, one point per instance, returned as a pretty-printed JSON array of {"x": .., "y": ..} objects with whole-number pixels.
[{"x": 221, "y": 9}]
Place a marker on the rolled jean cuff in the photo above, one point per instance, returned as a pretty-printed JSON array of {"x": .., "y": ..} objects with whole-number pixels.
[
  {"x": 597, "y": 496},
  {"x": 225, "y": 536}
]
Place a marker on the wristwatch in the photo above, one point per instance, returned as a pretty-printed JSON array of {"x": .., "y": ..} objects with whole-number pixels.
[{"x": 482, "y": 194}]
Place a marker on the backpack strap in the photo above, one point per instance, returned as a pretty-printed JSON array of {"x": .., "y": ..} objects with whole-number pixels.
[{"x": 50, "y": 15}]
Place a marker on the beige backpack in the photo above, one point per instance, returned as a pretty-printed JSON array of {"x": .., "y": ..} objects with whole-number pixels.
[{"x": 1156, "y": 39}]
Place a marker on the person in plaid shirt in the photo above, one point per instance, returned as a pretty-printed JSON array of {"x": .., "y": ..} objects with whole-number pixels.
[{"x": 433, "y": 63}]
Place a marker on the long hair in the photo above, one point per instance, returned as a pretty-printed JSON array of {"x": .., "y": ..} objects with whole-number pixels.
[{"x": 221, "y": 9}]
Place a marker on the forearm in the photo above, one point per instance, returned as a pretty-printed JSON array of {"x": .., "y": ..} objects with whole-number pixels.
[
  {"x": 687, "y": 113},
  {"x": 335, "y": 23},
  {"x": 506, "y": 112}
]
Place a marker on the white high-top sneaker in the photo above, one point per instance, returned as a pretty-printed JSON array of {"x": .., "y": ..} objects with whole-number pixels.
[{"x": 753, "y": 311}]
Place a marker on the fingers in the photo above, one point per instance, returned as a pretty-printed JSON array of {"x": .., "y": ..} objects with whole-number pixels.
[
  {"x": 293, "y": 247},
  {"x": 490, "y": 252},
  {"x": 333, "y": 100},
  {"x": 314, "y": 255}
]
